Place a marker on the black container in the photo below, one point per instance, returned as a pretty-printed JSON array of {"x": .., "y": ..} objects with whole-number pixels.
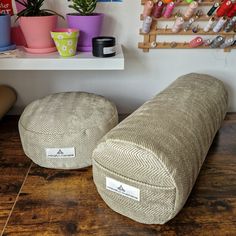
[{"x": 104, "y": 46}]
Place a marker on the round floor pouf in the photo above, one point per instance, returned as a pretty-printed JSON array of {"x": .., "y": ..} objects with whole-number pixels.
[{"x": 62, "y": 130}]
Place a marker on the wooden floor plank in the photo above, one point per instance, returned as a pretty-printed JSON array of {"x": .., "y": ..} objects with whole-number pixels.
[
  {"x": 225, "y": 139},
  {"x": 13, "y": 167},
  {"x": 56, "y": 202}
]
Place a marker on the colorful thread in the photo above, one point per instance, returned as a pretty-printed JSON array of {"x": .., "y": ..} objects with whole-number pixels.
[
  {"x": 230, "y": 25},
  {"x": 169, "y": 9},
  {"x": 157, "y": 9},
  {"x": 209, "y": 24},
  {"x": 191, "y": 9},
  {"x": 147, "y": 24},
  {"x": 217, "y": 41},
  {"x": 148, "y": 8},
  {"x": 213, "y": 8},
  {"x": 224, "y": 8},
  {"x": 196, "y": 42},
  {"x": 178, "y": 25},
  {"x": 220, "y": 24}
]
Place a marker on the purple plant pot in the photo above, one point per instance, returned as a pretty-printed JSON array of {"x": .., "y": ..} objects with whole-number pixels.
[{"x": 89, "y": 27}]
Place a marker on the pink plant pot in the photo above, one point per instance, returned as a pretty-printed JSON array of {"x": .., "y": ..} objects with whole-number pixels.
[
  {"x": 36, "y": 30},
  {"x": 17, "y": 36}
]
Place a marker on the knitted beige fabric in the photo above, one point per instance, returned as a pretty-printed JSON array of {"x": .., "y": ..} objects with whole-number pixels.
[
  {"x": 146, "y": 166},
  {"x": 62, "y": 130}
]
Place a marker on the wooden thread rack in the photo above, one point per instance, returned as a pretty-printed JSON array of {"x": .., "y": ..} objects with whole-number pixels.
[{"x": 150, "y": 39}]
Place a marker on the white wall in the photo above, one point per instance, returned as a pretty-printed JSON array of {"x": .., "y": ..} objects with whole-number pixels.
[{"x": 145, "y": 74}]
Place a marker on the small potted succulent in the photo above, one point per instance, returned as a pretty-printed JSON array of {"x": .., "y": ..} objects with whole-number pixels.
[
  {"x": 36, "y": 24},
  {"x": 88, "y": 22}
]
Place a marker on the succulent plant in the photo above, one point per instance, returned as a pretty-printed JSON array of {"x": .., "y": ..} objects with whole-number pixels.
[
  {"x": 33, "y": 8},
  {"x": 84, "y": 7}
]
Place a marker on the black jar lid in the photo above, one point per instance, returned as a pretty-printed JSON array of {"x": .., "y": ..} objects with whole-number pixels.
[{"x": 104, "y": 40}]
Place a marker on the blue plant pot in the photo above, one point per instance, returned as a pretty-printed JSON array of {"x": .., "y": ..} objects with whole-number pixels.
[{"x": 5, "y": 26}]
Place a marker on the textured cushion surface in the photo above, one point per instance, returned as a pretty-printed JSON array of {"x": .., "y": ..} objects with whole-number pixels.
[
  {"x": 65, "y": 120},
  {"x": 159, "y": 150}
]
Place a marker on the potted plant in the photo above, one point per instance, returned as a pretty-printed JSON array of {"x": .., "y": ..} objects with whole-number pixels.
[
  {"x": 88, "y": 22},
  {"x": 36, "y": 24}
]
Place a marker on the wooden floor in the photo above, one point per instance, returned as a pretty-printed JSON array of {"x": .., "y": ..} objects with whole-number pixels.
[{"x": 38, "y": 201}]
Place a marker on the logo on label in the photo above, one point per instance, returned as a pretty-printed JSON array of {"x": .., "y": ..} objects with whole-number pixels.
[
  {"x": 122, "y": 189},
  {"x": 60, "y": 152}
]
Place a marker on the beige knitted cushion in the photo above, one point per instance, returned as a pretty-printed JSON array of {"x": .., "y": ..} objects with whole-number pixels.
[
  {"x": 146, "y": 166},
  {"x": 62, "y": 130}
]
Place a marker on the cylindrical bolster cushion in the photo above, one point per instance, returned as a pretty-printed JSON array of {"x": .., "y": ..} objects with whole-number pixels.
[
  {"x": 7, "y": 99},
  {"x": 146, "y": 166}
]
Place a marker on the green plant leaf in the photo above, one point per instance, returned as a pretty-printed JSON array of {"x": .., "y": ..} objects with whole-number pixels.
[
  {"x": 33, "y": 8},
  {"x": 84, "y": 7}
]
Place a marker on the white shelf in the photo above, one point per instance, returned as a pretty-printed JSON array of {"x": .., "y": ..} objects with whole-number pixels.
[{"x": 52, "y": 61}]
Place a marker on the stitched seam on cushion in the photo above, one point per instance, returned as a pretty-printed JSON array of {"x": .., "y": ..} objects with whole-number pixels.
[
  {"x": 114, "y": 202},
  {"x": 143, "y": 148},
  {"x": 138, "y": 182},
  {"x": 35, "y": 132},
  {"x": 130, "y": 179},
  {"x": 147, "y": 150}
]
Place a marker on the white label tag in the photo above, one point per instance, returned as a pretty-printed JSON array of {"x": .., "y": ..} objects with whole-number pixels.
[
  {"x": 122, "y": 189},
  {"x": 109, "y": 50},
  {"x": 60, "y": 152}
]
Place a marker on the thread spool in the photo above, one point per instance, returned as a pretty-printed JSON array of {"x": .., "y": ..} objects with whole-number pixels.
[
  {"x": 195, "y": 29},
  {"x": 188, "y": 1},
  {"x": 207, "y": 42},
  {"x": 227, "y": 43},
  {"x": 157, "y": 9},
  {"x": 7, "y": 99},
  {"x": 190, "y": 22},
  {"x": 199, "y": 13},
  {"x": 148, "y": 8},
  {"x": 224, "y": 8},
  {"x": 167, "y": 1},
  {"x": 191, "y": 9},
  {"x": 196, "y": 42},
  {"x": 232, "y": 11},
  {"x": 234, "y": 41},
  {"x": 213, "y": 8},
  {"x": 217, "y": 41},
  {"x": 146, "y": 24},
  {"x": 220, "y": 24},
  {"x": 178, "y": 14},
  {"x": 169, "y": 9},
  {"x": 230, "y": 25},
  {"x": 209, "y": 24},
  {"x": 178, "y": 1},
  {"x": 178, "y": 25}
]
